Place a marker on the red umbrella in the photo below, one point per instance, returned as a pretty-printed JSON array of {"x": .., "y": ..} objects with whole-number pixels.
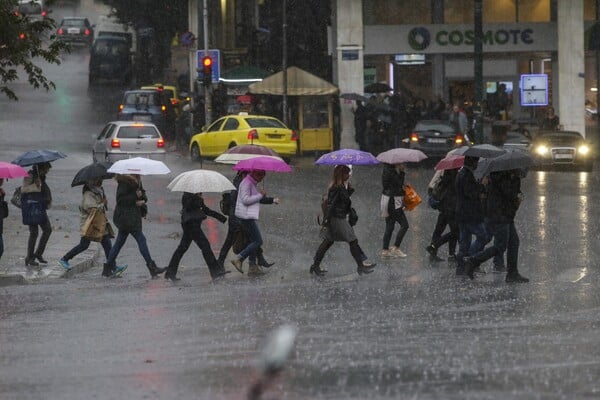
[{"x": 451, "y": 161}]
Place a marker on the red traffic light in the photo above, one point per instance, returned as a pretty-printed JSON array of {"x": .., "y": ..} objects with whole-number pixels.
[{"x": 207, "y": 62}]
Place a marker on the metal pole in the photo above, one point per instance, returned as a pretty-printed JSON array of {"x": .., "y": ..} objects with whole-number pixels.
[
  {"x": 597, "y": 64},
  {"x": 478, "y": 70},
  {"x": 193, "y": 27},
  {"x": 207, "y": 89},
  {"x": 284, "y": 65}
]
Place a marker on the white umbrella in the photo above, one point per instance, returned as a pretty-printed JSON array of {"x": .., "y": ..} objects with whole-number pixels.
[
  {"x": 200, "y": 181},
  {"x": 401, "y": 155},
  {"x": 139, "y": 166},
  {"x": 230, "y": 158}
]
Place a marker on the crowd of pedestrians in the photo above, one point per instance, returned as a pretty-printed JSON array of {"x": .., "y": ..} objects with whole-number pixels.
[{"x": 474, "y": 212}]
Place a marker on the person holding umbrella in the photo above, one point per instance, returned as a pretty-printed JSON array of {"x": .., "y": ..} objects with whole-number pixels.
[
  {"x": 93, "y": 197},
  {"x": 35, "y": 191},
  {"x": 131, "y": 203},
  {"x": 337, "y": 228},
  {"x": 247, "y": 208},
  {"x": 193, "y": 212},
  {"x": 8, "y": 171}
]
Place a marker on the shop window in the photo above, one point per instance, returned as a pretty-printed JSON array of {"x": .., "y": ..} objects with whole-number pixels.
[{"x": 496, "y": 11}]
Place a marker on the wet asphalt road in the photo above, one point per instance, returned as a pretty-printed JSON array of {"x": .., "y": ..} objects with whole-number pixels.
[{"x": 410, "y": 330}]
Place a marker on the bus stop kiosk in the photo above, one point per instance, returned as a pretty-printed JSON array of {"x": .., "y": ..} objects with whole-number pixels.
[{"x": 313, "y": 102}]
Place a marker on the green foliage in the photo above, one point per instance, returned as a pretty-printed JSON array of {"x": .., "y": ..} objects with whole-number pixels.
[{"x": 22, "y": 42}]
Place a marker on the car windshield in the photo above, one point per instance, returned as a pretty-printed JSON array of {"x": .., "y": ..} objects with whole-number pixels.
[
  {"x": 135, "y": 132},
  {"x": 434, "y": 127},
  {"x": 264, "y": 123},
  {"x": 30, "y": 8},
  {"x": 110, "y": 47},
  {"x": 560, "y": 134},
  {"x": 146, "y": 99},
  {"x": 73, "y": 22}
]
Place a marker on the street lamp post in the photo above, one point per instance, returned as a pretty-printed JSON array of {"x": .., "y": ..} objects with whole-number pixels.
[{"x": 284, "y": 65}]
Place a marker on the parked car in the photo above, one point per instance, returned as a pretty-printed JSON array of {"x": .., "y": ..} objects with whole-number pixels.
[
  {"x": 562, "y": 149},
  {"x": 110, "y": 60},
  {"x": 435, "y": 138},
  {"x": 75, "y": 30},
  {"x": 125, "y": 139},
  {"x": 149, "y": 105},
  {"x": 233, "y": 130}
]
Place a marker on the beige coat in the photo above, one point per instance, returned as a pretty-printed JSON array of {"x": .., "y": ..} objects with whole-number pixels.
[{"x": 89, "y": 201}]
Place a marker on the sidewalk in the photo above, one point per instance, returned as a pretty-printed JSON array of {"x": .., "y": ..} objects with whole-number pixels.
[{"x": 65, "y": 235}]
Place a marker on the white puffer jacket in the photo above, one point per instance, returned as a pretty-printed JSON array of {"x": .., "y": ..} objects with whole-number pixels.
[{"x": 248, "y": 200}]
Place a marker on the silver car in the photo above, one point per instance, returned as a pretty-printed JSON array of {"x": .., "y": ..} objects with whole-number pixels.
[{"x": 125, "y": 139}]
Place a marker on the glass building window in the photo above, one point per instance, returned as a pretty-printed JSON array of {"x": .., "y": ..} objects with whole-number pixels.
[
  {"x": 496, "y": 11},
  {"x": 396, "y": 12}
]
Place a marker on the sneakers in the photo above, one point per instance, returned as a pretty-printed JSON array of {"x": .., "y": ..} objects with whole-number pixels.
[
  {"x": 516, "y": 278},
  {"x": 237, "y": 263},
  {"x": 386, "y": 254},
  {"x": 431, "y": 250},
  {"x": 118, "y": 271},
  {"x": 368, "y": 264},
  {"x": 65, "y": 264},
  {"x": 396, "y": 252}
]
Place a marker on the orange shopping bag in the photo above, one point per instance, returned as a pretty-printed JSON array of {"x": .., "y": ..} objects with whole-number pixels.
[{"x": 411, "y": 198}]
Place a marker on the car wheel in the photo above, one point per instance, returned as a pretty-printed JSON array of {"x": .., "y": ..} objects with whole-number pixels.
[
  {"x": 195, "y": 152},
  {"x": 232, "y": 144}
]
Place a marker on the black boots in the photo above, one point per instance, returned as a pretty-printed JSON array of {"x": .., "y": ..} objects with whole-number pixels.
[
  {"x": 107, "y": 271},
  {"x": 315, "y": 269},
  {"x": 515, "y": 277},
  {"x": 154, "y": 270}
]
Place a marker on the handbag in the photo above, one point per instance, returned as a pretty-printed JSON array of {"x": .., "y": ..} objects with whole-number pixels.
[
  {"x": 411, "y": 197},
  {"x": 33, "y": 211},
  {"x": 240, "y": 240},
  {"x": 352, "y": 217},
  {"x": 16, "y": 197},
  {"x": 94, "y": 226},
  {"x": 3, "y": 209}
]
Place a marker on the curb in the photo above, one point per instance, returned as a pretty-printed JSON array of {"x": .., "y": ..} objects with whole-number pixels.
[{"x": 52, "y": 270}]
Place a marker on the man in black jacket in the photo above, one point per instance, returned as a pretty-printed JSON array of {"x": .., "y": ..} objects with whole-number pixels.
[
  {"x": 504, "y": 198},
  {"x": 469, "y": 213}
]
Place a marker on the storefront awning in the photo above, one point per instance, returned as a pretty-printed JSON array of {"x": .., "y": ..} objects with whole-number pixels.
[
  {"x": 299, "y": 83},
  {"x": 243, "y": 75}
]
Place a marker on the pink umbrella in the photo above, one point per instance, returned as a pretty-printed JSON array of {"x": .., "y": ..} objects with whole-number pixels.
[
  {"x": 451, "y": 161},
  {"x": 9, "y": 170},
  {"x": 263, "y": 163}
]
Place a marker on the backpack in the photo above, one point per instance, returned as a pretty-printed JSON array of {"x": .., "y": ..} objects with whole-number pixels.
[{"x": 225, "y": 203}]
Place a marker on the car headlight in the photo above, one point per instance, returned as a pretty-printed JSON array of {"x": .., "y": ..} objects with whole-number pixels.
[
  {"x": 583, "y": 150},
  {"x": 542, "y": 150}
]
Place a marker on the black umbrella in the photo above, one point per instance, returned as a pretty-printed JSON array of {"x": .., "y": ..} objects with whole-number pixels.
[
  {"x": 354, "y": 96},
  {"x": 512, "y": 159},
  {"x": 480, "y": 150},
  {"x": 37, "y": 157},
  {"x": 92, "y": 172},
  {"x": 377, "y": 87}
]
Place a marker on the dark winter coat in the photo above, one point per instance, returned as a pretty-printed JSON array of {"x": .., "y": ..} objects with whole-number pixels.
[
  {"x": 468, "y": 197},
  {"x": 392, "y": 181},
  {"x": 127, "y": 216},
  {"x": 447, "y": 192},
  {"x": 338, "y": 201},
  {"x": 194, "y": 211},
  {"x": 503, "y": 197}
]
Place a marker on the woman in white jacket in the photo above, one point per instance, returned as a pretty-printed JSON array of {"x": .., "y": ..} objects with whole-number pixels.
[{"x": 247, "y": 209}]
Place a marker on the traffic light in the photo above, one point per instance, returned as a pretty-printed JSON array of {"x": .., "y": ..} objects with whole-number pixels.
[{"x": 207, "y": 63}]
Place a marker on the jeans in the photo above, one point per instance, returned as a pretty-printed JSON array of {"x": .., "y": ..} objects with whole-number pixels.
[
  {"x": 465, "y": 247},
  {"x": 397, "y": 215},
  {"x": 193, "y": 232},
  {"x": 33, "y": 234},
  {"x": 83, "y": 245},
  {"x": 498, "y": 258},
  {"x": 506, "y": 239},
  {"x": 120, "y": 241},
  {"x": 251, "y": 227}
]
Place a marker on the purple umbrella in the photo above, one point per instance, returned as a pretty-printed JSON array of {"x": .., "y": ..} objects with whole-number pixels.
[
  {"x": 348, "y": 157},
  {"x": 263, "y": 163}
]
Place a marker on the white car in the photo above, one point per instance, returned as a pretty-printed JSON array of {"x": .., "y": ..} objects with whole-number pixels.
[{"x": 119, "y": 140}]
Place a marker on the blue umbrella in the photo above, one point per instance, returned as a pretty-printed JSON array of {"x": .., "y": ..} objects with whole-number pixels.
[
  {"x": 37, "y": 157},
  {"x": 348, "y": 157}
]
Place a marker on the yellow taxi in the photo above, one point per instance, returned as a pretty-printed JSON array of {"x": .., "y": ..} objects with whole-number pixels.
[
  {"x": 244, "y": 128},
  {"x": 170, "y": 93}
]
